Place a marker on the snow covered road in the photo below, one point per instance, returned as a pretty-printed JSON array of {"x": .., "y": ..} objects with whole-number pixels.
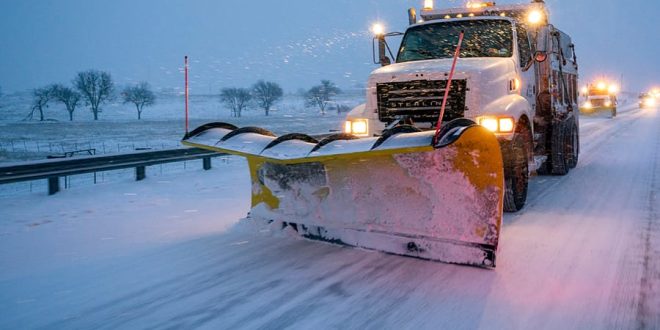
[{"x": 584, "y": 253}]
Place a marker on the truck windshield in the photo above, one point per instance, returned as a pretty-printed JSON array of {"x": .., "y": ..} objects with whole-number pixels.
[{"x": 483, "y": 38}]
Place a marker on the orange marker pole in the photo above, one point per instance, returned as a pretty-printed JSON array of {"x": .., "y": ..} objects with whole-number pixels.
[{"x": 447, "y": 88}]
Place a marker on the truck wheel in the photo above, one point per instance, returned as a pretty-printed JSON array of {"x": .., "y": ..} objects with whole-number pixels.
[
  {"x": 613, "y": 112},
  {"x": 558, "y": 155},
  {"x": 516, "y": 171},
  {"x": 573, "y": 145}
]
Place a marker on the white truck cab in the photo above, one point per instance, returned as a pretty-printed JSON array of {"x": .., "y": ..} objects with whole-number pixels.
[{"x": 516, "y": 75}]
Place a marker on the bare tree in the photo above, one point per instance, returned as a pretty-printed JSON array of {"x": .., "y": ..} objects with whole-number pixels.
[
  {"x": 319, "y": 96},
  {"x": 96, "y": 88},
  {"x": 237, "y": 99},
  {"x": 40, "y": 99},
  {"x": 266, "y": 93},
  {"x": 67, "y": 96},
  {"x": 140, "y": 95}
]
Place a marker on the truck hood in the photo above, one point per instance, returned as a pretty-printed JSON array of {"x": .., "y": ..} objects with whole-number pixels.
[{"x": 489, "y": 68}]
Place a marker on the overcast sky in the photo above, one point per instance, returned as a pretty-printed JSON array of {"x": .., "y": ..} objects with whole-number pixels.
[{"x": 293, "y": 42}]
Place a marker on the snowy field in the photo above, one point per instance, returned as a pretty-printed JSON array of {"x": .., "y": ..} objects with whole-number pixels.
[
  {"x": 171, "y": 252},
  {"x": 119, "y": 131},
  {"x": 161, "y": 127}
]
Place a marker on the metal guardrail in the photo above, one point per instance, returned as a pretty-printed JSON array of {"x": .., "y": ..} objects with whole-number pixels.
[{"x": 52, "y": 170}]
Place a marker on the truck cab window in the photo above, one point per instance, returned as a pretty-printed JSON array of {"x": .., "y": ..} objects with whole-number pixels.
[{"x": 483, "y": 38}]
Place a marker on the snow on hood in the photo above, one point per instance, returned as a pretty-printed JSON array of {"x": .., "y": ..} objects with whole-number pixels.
[{"x": 465, "y": 68}]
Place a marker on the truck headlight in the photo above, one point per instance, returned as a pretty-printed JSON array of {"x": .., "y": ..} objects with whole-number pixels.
[
  {"x": 489, "y": 123},
  {"x": 587, "y": 105},
  {"x": 498, "y": 124},
  {"x": 649, "y": 102},
  {"x": 358, "y": 127},
  {"x": 608, "y": 103},
  {"x": 613, "y": 89}
]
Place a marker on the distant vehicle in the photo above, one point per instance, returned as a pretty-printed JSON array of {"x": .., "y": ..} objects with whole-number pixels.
[
  {"x": 647, "y": 100},
  {"x": 600, "y": 96}
]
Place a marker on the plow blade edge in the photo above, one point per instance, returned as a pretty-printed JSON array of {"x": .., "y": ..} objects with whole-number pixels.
[{"x": 397, "y": 194}]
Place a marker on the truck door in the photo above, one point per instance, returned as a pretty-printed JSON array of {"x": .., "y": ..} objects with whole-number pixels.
[{"x": 526, "y": 63}]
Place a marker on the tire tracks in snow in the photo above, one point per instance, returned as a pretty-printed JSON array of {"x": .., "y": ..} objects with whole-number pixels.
[
  {"x": 544, "y": 185},
  {"x": 648, "y": 304},
  {"x": 635, "y": 298}
]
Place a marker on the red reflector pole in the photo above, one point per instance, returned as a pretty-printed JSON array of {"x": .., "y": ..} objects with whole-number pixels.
[
  {"x": 185, "y": 69},
  {"x": 448, "y": 87}
]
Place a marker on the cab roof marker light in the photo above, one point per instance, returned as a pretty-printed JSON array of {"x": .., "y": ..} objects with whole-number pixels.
[
  {"x": 535, "y": 17},
  {"x": 378, "y": 29},
  {"x": 428, "y": 4},
  {"x": 478, "y": 5}
]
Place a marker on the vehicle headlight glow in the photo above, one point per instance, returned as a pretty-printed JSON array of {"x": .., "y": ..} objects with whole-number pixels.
[
  {"x": 649, "y": 102},
  {"x": 497, "y": 124},
  {"x": 587, "y": 105},
  {"x": 359, "y": 127},
  {"x": 489, "y": 123},
  {"x": 348, "y": 127},
  {"x": 613, "y": 89},
  {"x": 506, "y": 125},
  {"x": 601, "y": 86},
  {"x": 608, "y": 103}
]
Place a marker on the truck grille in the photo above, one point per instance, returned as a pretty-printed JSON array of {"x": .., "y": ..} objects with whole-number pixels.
[
  {"x": 597, "y": 103},
  {"x": 420, "y": 100}
]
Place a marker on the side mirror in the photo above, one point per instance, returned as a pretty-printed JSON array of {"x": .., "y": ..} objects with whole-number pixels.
[
  {"x": 383, "y": 60},
  {"x": 540, "y": 56},
  {"x": 383, "y": 47}
]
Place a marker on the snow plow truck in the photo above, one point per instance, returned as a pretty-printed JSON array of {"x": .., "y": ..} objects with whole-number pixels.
[
  {"x": 476, "y": 99},
  {"x": 600, "y": 96}
]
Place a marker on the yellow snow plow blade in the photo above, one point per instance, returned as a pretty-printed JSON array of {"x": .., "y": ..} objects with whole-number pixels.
[{"x": 396, "y": 193}]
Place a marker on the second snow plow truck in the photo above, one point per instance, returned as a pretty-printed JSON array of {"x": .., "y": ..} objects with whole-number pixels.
[
  {"x": 477, "y": 97},
  {"x": 600, "y": 96}
]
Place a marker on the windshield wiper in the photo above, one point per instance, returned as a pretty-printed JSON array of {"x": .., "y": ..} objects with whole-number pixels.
[{"x": 421, "y": 51}]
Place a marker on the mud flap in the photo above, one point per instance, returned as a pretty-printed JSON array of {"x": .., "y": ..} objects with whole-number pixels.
[{"x": 399, "y": 195}]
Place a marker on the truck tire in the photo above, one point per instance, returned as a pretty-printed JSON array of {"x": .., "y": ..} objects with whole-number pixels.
[
  {"x": 558, "y": 154},
  {"x": 516, "y": 170},
  {"x": 573, "y": 145},
  {"x": 613, "y": 112}
]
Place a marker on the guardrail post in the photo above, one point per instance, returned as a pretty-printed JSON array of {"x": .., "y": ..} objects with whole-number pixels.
[
  {"x": 206, "y": 162},
  {"x": 140, "y": 173},
  {"x": 53, "y": 185}
]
